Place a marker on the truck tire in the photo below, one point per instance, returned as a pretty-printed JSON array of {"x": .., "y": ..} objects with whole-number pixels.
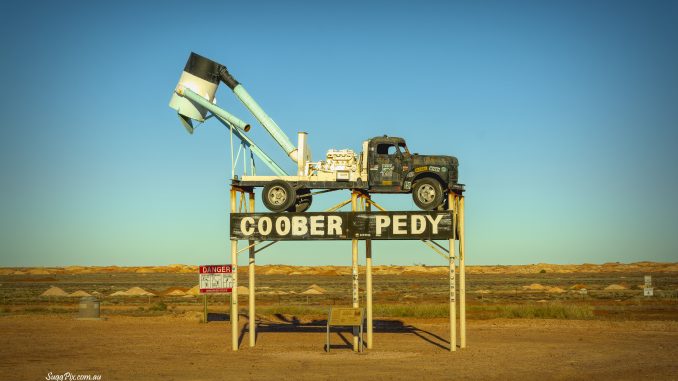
[
  {"x": 303, "y": 203},
  {"x": 278, "y": 196},
  {"x": 427, "y": 193}
]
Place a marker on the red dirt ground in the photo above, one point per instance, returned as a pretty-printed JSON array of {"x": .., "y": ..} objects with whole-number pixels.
[{"x": 176, "y": 348}]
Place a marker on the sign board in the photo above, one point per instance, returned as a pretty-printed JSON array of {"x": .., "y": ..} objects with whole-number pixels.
[
  {"x": 342, "y": 226},
  {"x": 345, "y": 316},
  {"x": 215, "y": 278},
  {"x": 648, "y": 291},
  {"x": 648, "y": 281}
]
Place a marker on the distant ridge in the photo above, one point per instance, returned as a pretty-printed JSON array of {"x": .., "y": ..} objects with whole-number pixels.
[{"x": 611, "y": 267}]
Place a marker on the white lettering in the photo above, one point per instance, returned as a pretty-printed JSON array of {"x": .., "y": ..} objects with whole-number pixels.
[
  {"x": 265, "y": 230},
  {"x": 382, "y": 222},
  {"x": 283, "y": 226},
  {"x": 299, "y": 225},
  {"x": 244, "y": 226},
  {"x": 333, "y": 225},
  {"x": 418, "y": 224},
  {"x": 316, "y": 225},
  {"x": 399, "y": 223},
  {"x": 434, "y": 223}
]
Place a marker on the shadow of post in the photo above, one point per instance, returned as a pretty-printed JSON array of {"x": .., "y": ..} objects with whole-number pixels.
[{"x": 293, "y": 324}]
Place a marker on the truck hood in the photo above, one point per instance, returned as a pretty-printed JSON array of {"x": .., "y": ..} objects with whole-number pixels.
[{"x": 442, "y": 160}]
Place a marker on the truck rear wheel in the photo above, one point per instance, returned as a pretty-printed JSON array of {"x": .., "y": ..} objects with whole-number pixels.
[
  {"x": 279, "y": 196},
  {"x": 304, "y": 200},
  {"x": 427, "y": 193}
]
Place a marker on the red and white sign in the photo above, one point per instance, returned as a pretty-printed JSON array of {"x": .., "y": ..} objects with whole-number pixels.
[{"x": 216, "y": 278}]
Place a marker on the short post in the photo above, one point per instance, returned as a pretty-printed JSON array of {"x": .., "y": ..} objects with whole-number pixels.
[
  {"x": 462, "y": 276},
  {"x": 251, "y": 308},
  {"x": 354, "y": 271},
  {"x": 234, "y": 292},
  {"x": 368, "y": 280},
  {"x": 451, "y": 200},
  {"x": 204, "y": 299}
]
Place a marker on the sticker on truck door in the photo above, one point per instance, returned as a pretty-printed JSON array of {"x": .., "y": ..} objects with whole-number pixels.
[{"x": 387, "y": 170}]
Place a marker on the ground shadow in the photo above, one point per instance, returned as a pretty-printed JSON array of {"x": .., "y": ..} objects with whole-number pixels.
[
  {"x": 214, "y": 316},
  {"x": 293, "y": 324}
]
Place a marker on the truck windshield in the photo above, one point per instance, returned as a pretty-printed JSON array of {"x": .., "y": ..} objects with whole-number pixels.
[{"x": 403, "y": 149}]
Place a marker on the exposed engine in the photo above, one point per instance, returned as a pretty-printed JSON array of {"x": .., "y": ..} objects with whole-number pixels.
[{"x": 339, "y": 160}]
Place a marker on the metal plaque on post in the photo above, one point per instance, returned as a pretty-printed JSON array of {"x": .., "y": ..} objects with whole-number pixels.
[{"x": 345, "y": 317}]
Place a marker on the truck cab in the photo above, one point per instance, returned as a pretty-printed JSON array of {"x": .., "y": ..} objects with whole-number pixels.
[{"x": 393, "y": 169}]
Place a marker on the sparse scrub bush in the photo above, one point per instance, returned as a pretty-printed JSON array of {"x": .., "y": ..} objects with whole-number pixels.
[
  {"x": 412, "y": 310},
  {"x": 545, "y": 311},
  {"x": 160, "y": 306}
]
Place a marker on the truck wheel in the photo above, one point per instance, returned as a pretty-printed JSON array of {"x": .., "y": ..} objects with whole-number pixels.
[
  {"x": 278, "y": 196},
  {"x": 303, "y": 203},
  {"x": 427, "y": 193}
]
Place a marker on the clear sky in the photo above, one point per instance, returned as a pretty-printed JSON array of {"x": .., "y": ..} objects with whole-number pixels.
[{"x": 564, "y": 116}]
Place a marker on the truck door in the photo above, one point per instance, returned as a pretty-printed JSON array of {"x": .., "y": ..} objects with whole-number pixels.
[{"x": 385, "y": 167}]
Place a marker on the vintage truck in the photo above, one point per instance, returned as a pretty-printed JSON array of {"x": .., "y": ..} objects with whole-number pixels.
[{"x": 385, "y": 165}]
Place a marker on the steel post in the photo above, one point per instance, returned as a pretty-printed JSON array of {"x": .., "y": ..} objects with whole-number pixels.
[
  {"x": 462, "y": 276},
  {"x": 451, "y": 200},
  {"x": 354, "y": 270},
  {"x": 251, "y": 308},
  {"x": 368, "y": 281},
  {"x": 234, "y": 292}
]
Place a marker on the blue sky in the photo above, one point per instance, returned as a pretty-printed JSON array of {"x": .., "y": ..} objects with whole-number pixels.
[{"x": 563, "y": 116}]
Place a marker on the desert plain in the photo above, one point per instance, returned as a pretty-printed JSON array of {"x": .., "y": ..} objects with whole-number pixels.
[{"x": 538, "y": 321}]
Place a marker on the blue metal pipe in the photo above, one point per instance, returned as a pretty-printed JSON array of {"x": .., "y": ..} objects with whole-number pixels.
[
  {"x": 214, "y": 109},
  {"x": 230, "y": 121}
]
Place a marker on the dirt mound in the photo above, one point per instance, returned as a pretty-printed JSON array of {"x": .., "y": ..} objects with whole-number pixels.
[
  {"x": 578, "y": 286},
  {"x": 276, "y": 293},
  {"x": 134, "y": 291},
  {"x": 615, "y": 287},
  {"x": 54, "y": 291},
  {"x": 556, "y": 290},
  {"x": 317, "y": 288},
  {"x": 195, "y": 290},
  {"x": 243, "y": 290},
  {"x": 79, "y": 293},
  {"x": 175, "y": 293},
  {"x": 138, "y": 291},
  {"x": 311, "y": 291},
  {"x": 534, "y": 287}
]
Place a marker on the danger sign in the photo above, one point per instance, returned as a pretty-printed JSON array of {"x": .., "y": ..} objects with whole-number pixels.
[{"x": 216, "y": 278}]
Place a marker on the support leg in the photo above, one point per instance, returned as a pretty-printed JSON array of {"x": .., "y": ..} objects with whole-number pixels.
[
  {"x": 453, "y": 307},
  {"x": 368, "y": 283},
  {"x": 234, "y": 292},
  {"x": 354, "y": 272},
  {"x": 204, "y": 300},
  {"x": 462, "y": 276},
  {"x": 252, "y": 308}
]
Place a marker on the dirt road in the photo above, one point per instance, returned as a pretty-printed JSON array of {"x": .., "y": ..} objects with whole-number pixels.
[{"x": 178, "y": 348}]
